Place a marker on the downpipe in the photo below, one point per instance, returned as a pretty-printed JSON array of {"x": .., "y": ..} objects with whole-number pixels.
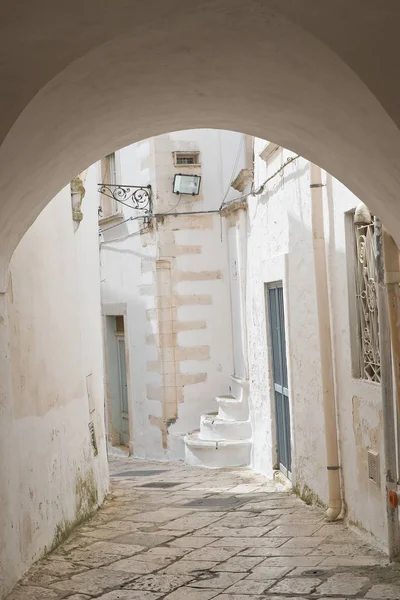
[
  {"x": 387, "y": 260},
  {"x": 325, "y": 344}
]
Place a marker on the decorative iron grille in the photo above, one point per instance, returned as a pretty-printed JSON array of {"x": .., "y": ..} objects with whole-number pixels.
[
  {"x": 132, "y": 196},
  {"x": 367, "y": 305}
]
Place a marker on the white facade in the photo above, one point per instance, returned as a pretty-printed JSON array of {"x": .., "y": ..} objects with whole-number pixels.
[
  {"x": 184, "y": 305},
  {"x": 50, "y": 477},
  {"x": 280, "y": 249},
  {"x": 169, "y": 279},
  {"x": 212, "y": 352}
]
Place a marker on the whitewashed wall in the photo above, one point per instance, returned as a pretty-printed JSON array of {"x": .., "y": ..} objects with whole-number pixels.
[
  {"x": 49, "y": 475},
  {"x": 194, "y": 248},
  {"x": 359, "y": 402},
  {"x": 280, "y": 249}
]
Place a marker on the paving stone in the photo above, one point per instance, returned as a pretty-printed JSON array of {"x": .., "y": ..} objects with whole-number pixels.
[
  {"x": 351, "y": 561},
  {"x": 75, "y": 541},
  {"x": 336, "y": 530},
  {"x": 187, "y": 593},
  {"x": 127, "y": 526},
  {"x": 192, "y": 522},
  {"x": 161, "y": 516},
  {"x": 210, "y": 553},
  {"x": 284, "y": 510},
  {"x": 129, "y": 595},
  {"x": 248, "y": 586},
  {"x": 192, "y": 542},
  {"x": 342, "y": 550},
  {"x": 310, "y": 571},
  {"x": 94, "y": 582},
  {"x": 40, "y": 578},
  {"x": 33, "y": 593},
  {"x": 59, "y": 566},
  {"x": 265, "y": 573},
  {"x": 385, "y": 591},
  {"x": 131, "y": 565},
  {"x": 292, "y": 561},
  {"x": 176, "y": 533},
  {"x": 296, "y": 585},
  {"x": 99, "y": 554},
  {"x": 216, "y": 536},
  {"x": 344, "y": 584},
  {"x": 102, "y": 533},
  {"x": 159, "y": 583},
  {"x": 233, "y": 520},
  {"x": 281, "y": 551},
  {"x": 217, "y": 580},
  {"x": 145, "y": 539},
  {"x": 291, "y": 597},
  {"x": 303, "y": 542},
  {"x": 241, "y": 532},
  {"x": 163, "y": 554},
  {"x": 298, "y": 530},
  {"x": 189, "y": 566},
  {"x": 243, "y": 542},
  {"x": 225, "y": 596},
  {"x": 238, "y": 564}
]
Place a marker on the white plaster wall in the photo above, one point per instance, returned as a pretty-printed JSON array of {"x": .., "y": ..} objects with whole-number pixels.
[
  {"x": 359, "y": 402},
  {"x": 200, "y": 397},
  {"x": 128, "y": 278},
  {"x": 280, "y": 248},
  {"x": 51, "y": 473}
]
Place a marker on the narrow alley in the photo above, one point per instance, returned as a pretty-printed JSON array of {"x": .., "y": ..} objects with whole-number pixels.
[{"x": 173, "y": 532}]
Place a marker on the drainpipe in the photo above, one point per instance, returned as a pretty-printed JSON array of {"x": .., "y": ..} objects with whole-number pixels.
[
  {"x": 387, "y": 259},
  {"x": 325, "y": 344}
]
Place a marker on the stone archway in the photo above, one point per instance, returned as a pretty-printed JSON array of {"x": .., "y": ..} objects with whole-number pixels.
[{"x": 80, "y": 81}]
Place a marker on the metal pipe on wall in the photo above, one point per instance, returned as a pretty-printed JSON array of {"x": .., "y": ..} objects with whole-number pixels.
[
  {"x": 384, "y": 256},
  {"x": 325, "y": 343}
]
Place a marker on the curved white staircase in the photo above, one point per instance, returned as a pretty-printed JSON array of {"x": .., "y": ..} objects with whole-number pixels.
[{"x": 224, "y": 438}]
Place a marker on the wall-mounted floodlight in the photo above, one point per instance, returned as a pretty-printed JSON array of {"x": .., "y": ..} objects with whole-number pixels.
[{"x": 187, "y": 184}]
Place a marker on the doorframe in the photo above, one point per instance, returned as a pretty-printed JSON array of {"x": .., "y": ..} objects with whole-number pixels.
[
  {"x": 119, "y": 309},
  {"x": 121, "y": 337},
  {"x": 267, "y": 287},
  {"x": 275, "y": 270}
]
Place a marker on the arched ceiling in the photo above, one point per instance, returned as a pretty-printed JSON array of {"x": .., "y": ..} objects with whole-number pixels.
[{"x": 80, "y": 79}]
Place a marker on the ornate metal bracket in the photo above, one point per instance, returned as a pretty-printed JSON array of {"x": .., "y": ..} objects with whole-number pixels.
[{"x": 132, "y": 196}]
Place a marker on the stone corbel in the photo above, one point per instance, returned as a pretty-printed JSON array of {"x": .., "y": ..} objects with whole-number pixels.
[{"x": 77, "y": 195}]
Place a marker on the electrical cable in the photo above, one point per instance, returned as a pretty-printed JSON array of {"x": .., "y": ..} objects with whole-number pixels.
[
  {"x": 173, "y": 208},
  {"x": 257, "y": 192}
]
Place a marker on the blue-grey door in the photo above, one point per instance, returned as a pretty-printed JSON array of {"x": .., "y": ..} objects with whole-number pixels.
[
  {"x": 280, "y": 377},
  {"x": 123, "y": 390}
]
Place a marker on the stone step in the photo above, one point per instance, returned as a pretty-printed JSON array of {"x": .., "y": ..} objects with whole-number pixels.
[
  {"x": 216, "y": 453},
  {"x": 232, "y": 409},
  {"x": 212, "y": 427}
]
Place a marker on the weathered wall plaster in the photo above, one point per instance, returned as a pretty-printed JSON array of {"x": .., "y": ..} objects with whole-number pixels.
[
  {"x": 172, "y": 277},
  {"x": 280, "y": 249},
  {"x": 55, "y": 348}
]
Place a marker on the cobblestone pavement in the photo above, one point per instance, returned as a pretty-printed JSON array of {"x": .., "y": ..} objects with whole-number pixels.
[{"x": 179, "y": 533}]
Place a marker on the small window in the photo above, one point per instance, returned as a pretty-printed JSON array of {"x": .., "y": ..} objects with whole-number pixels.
[
  {"x": 186, "y": 159},
  {"x": 108, "y": 206},
  {"x": 364, "y": 323}
]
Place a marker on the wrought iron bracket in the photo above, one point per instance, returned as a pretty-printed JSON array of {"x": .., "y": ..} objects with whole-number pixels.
[{"x": 133, "y": 196}]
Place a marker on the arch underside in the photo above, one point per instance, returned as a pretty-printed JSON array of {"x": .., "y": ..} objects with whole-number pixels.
[{"x": 81, "y": 81}]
